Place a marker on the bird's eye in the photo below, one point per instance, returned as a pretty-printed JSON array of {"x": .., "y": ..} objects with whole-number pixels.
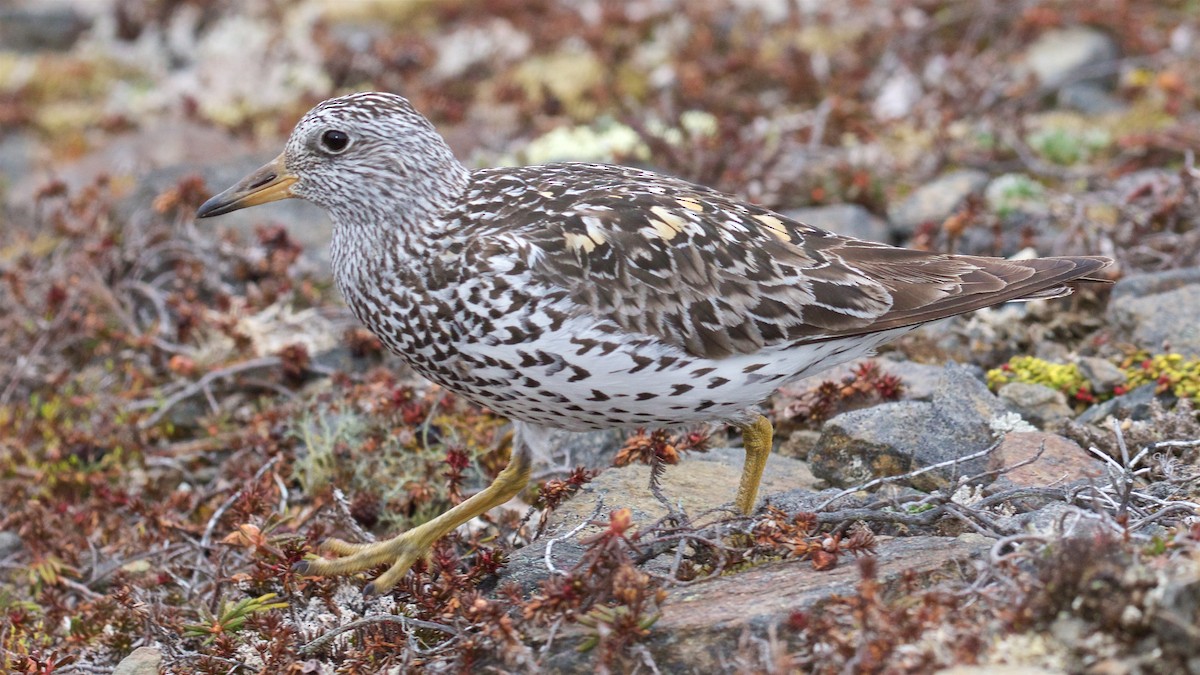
[{"x": 335, "y": 141}]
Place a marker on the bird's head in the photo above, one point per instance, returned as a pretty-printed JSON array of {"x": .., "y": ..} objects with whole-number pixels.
[{"x": 353, "y": 154}]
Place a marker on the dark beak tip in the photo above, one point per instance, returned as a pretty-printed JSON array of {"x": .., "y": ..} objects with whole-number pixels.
[{"x": 212, "y": 207}]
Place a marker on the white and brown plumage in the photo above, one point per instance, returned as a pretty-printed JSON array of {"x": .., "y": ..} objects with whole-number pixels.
[{"x": 586, "y": 296}]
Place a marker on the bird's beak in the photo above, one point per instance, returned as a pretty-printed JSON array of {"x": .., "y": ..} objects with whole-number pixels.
[{"x": 269, "y": 183}]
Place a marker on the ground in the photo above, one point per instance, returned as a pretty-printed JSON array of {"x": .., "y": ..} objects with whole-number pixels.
[{"x": 187, "y": 409}]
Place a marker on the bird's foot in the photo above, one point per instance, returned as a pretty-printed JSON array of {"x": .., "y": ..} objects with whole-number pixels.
[{"x": 402, "y": 552}]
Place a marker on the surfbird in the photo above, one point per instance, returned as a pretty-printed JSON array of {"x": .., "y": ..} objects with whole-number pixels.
[{"x": 587, "y": 296}]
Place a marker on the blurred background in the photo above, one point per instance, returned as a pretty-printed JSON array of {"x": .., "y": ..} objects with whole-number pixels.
[{"x": 1030, "y": 120}]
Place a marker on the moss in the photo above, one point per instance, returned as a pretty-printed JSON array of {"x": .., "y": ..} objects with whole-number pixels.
[
  {"x": 1172, "y": 373},
  {"x": 1064, "y": 377}
]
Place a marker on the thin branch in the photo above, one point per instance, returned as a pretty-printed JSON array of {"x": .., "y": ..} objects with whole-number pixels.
[
  {"x": 904, "y": 476},
  {"x": 409, "y": 623}
]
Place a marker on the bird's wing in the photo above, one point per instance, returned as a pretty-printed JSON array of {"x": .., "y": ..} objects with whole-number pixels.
[{"x": 716, "y": 276}]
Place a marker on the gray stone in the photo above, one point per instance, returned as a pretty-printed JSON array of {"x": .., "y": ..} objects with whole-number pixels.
[
  {"x": 141, "y": 661},
  {"x": 850, "y": 220},
  {"x": 1143, "y": 285},
  {"x": 1036, "y": 403},
  {"x": 1175, "y": 614},
  {"x": 17, "y": 152},
  {"x": 1070, "y": 55},
  {"x": 10, "y": 543},
  {"x": 920, "y": 381},
  {"x": 593, "y": 449},
  {"x": 997, "y": 669},
  {"x": 1159, "y": 322},
  {"x": 895, "y": 438},
  {"x": 43, "y": 27},
  {"x": 1089, "y": 99},
  {"x": 799, "y": 443},
  {"x": 935, "y": 201},
  {"x": 1134, "y": 405},
  {"x": 1103, "y": 374}
]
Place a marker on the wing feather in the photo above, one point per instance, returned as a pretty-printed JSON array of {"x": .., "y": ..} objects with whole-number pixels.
[{"x": 716, "y": 276}]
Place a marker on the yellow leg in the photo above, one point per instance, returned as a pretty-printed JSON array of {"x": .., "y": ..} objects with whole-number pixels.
[
  {"x": 756, "y": 439},
  {"x": 406, "y": 549}
]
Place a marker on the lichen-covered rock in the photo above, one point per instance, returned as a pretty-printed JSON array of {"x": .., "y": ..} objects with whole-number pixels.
[{"x": 895, "y": 438}]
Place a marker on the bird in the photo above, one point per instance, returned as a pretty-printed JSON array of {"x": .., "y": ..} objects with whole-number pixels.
[{"x": 585, "y": 296}]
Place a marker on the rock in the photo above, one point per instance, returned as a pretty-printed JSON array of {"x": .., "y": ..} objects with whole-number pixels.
[
  {"x": 701, "y": 622},
  {"x": 1072, "y": 55},
  {"x": 593, "y": 449},
  {"x": 10, "y": 543},
  {"x": 17, "y": 153},
  {"x": 898, "y": 94},
  {"x": 1062, "y": 460},
  {"x": 1134, "y": 405},
  {"x": 996, "y": 669},
  {"x": 1146, "y": 322},
  {"x": 1143, "y": 285},
  {"x": 1175, "y": 612},
  {"x": 1037, "y": 403},
  {"x": 41, "y": 27},
  {"x": 850, "y": 220},
  {"x": 1013, "y": 196},
  {"x": 1103, "y": 374},
  {"x": 935, "y": 201},
  {"x": 919, "y": 380},
  {"x": 1089, "y": 99},
  {"x": 799, "y": 443},
  {"x": 141, "y": 661},
  {"x": 699, "y": 483},
  {"x": 895, "y": 438}
]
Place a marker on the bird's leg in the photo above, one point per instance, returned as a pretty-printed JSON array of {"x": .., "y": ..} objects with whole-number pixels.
[
  {"x": 406, "y": 549},
  {"x": 756, "y": 439}
]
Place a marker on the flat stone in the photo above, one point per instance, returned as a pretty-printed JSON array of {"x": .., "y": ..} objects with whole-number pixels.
[
  {"x": 10, "y": 543},
  {"x": 701, "y": 622},
  {"x": 698, "y": 484},
  {"x": 895, "y": 438},
  {"x": 997, "y": 669},
  {"x": 1061, "y": 461},
  {"x": 1103, "y": 374},
  {"x": 1089, "y": 99},
  {"x": 1071, "y": 55},
  {"x": 1036, "y": 403},
  {"x": 44, "y": 27},
  {"x": 849, "y": 220},
  {"x": 141, "y": 661},
  {"x": 1159, "y": 322},
  {"x": 935, "y": 201}
]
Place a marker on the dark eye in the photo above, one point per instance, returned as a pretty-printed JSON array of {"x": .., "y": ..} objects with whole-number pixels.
[{"x": 334, "y": 140}]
